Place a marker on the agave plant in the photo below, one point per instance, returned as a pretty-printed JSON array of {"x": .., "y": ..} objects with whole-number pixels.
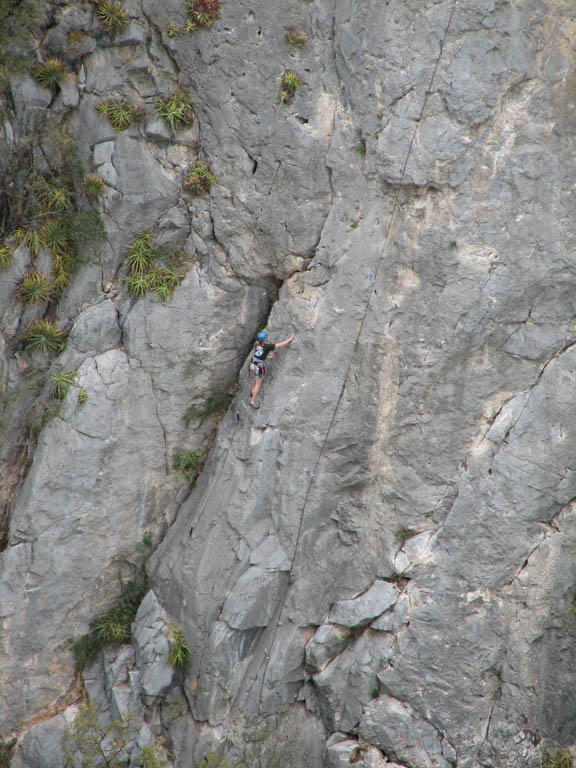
[
  {"x": 138, "y": 284},
  {"x": 62, "y": 380},
  {"x": 34, "y": 288},
  {"x": 54, "y": 236},
  {"x": 176, "y": 110},
  {"x": 50, "y": 73},
  {"x": 163, "y": 280},
  {"x": 120, "y": 113},
  {"x": 113, "y": 16},
  {"x": 140, "y": 253},
  {"x": 43, "y": 336}
]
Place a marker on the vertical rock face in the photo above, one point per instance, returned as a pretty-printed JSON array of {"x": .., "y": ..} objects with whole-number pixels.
[{"x": 385, "y": 549}]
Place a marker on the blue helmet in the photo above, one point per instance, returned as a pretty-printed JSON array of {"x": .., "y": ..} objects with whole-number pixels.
[{"x": 262, "y": 336}]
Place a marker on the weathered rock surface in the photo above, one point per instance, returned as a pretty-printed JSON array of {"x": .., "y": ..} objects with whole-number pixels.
[{"x": 455, "y": 421}]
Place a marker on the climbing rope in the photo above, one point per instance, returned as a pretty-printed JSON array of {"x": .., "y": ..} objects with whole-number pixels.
[{"x": 279, "y": 612}]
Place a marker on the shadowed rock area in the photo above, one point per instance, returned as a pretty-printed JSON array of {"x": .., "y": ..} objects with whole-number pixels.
[{"x": 376, "y": 567}]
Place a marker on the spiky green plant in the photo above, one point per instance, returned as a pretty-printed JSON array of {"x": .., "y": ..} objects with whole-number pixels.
[
  {"x": 34, "y": 288},
  {"x": 5, "y": 257},
  {"x": 94, "y": 186},
  {"x": 111, "y": 628},
  {"x": 30, "y": 238},
  {"x": 51, "y": 195},
  {"x": 138, "y": 284},
  {"x": 179, "y": 648},
  {"x": 176, "y": 110},
  {"x": 200, "y": 178},
  {"x": 119, "y": 113},
  {"x": 163, "y": 280},
  {"x": 113, "y": 16},
  {"x": 62, "y": 380},
  {"x": 289, "y": 85},
  {"x": 54, "y": 236},
  {"x": 204, "y": 13},
  {"x": 173, "y": 29},
  {"x": 43, "y": 336},
  {"x": 50, "y": 73},
  {"x": 140, "y": 254},
  {"x": 82, "y": 396}
]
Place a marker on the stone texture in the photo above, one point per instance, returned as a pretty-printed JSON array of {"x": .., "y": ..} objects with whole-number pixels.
[
  {"x": 152, "y": 645},
  {"x": 351, "y": 613},
  {"x": 456, "y": 419}
]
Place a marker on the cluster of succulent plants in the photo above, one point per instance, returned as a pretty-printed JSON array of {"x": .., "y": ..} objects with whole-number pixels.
[
  {"x": 176, "y": 110},
  {"x": 119, "y": 112},
  {"x": 50, "y": 216},
  {"x": 151, "y": 268},
  {"x": 200, "y": 178}
]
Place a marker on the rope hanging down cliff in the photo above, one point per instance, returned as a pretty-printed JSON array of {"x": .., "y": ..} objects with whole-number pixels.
[{"x": 279, "y": 612}]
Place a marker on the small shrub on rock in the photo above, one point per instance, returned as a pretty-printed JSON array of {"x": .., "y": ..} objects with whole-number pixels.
[
  {"x": 111, "y": 628},
  {"x": 5, "y": 257},
  {"x": 50, "y": 73},
  {"x": 51, "y": 195},
  {"x": 179, "y": 648},
  {"x": 62, "y": 380},
  {"x": 144, "y": 274},
  {"x": 173, "y": 29},
  {"x": 176, "y": 110},
  {"x": 94, "y": 186},
  {"x": 28, "y": 237},
  {"x": 34, "y": 288},
  {"x": 203, "y": 13},
  {"x": 43, "y": 336},
  {"x": 289, "y": 85},
  {"x": 119, "y": 113},
  {"x": 188, "y": 463},
  {"x": 200, "y": 178},
  {"x": 113, "y": 16}
]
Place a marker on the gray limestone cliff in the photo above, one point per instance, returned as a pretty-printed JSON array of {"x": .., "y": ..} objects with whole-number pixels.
[{"x": 380, "y": 561}]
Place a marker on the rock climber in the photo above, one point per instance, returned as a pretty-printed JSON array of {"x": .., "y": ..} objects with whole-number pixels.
[{"x": 262, "y": 350}]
